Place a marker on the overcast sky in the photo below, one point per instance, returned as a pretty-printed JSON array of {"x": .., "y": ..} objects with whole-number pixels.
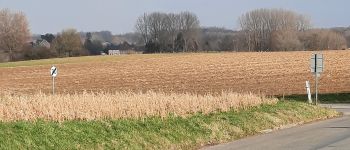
[{"x": 119, "y": 16}]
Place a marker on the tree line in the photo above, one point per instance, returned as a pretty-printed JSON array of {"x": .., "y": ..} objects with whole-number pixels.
[
  {"x": 157, "y": 32},
  {"x": 283, "y": 30},
  {"x": 168, "y": 32},
  {"x": 260, "y": 30}
]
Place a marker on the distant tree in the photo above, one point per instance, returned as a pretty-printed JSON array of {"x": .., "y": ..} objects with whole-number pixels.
[
  {"x": 259, "y": 24},
  {"x": 285, "y": 40},
  {"x": 32, "y": 53},
  {"x": 189, "y": 25},
  {"x": 206, "y": 46},
  {"x": 132, "y": 38},
  {"x": 68, "y": 43},
  {"x": 162, "y": 29},
  {"x": 157, "y": 29},
  {"x": 179, "y": 42},
  {"x": 125, "y": 46},
  {"x": 105, "y": 35},
  {"x": 240, "y": 43},
  {"x": 89, "y": 36},
  {"x": 217, "y": 39},
  {"x": 48, "y": 37},
  {"x": 335, "y": 41},
  {"x": 93, "y": 46},
  {"x": 14, "y": 31},
  {"x": 142, "y": 27},
  {"x": 322, "y": 39},
  {"x": 227, "y": 43},
  {"x": 152, "y": 47},
  {"x": 347, "y": 36}
]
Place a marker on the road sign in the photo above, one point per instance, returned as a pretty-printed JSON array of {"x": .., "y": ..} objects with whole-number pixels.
[
  {"x": 53, "y": 71},
  {"x": 316, "y": 64}
]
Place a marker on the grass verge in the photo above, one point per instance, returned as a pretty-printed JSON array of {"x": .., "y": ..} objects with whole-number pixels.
[
  {"x": 323, "y": 98},
  {"x": 155, "y": 132}
]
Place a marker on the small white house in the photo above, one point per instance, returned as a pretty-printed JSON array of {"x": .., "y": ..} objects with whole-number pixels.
[{"x": 113, "y": 52}]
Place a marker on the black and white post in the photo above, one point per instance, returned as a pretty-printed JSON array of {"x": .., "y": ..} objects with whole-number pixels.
[
  {"x": 316, "y": 63},
  {"x": 53, "y": 72}
]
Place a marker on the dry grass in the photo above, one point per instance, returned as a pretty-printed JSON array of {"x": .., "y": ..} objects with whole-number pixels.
[
  {"x": 92, "y": 106},
  {"x": 272, "y": 73}
]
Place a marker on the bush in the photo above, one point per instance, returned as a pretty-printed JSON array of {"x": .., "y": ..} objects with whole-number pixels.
[
  {"x": 4, "y": 57},
  {"x": 38, "y": 53},
  {"x": 152, "y": 47}
]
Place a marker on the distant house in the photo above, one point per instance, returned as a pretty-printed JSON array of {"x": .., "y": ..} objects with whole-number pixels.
[
  {"x": 41, "y": 43},
  {"x": 122, "y": 52},
  {"x": 106, "y": 44},
  {"x": 113, "y": 52}
]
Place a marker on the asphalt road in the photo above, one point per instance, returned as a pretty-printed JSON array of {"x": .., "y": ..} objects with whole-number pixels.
[{"x": 333, "y": 134}]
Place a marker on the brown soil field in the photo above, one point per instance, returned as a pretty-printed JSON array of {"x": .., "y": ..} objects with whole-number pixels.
[{"x": 271, "y": 73}]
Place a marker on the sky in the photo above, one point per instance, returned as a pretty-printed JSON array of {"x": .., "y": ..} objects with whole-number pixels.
[{"x": 119, "y": 16}]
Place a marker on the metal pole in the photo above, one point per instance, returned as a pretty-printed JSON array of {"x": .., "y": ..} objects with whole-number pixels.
[
  {"x": 53, "y": 85},
  {"x": 316, "y": 78},
  {"x": 315, "y": 57}
]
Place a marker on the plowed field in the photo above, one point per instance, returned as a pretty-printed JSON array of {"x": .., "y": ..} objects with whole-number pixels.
[{"x": 272, "y": 73}]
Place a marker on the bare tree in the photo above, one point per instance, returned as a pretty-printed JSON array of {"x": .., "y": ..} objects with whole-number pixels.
[
  {"x": 172, "y": 30},
  {"x": 189, "y": 26},
  {"x": 303, "y": 23},
  {"x": 156, "y": 25},
  {"x": 222, "y": 39},
  {"x": 161, "y": 30},
  {"x": 142, "y": 27},
  {"x": 285, "y": 40},
  {"x": 322, "y": 39},
  {"x": 259, "y": 24},
  {"x": 14, "y": 31},
  {"x": 227, "y": 43},
  {"x": 68, "y": 43},
  {"x": 347, "y": 37},
  {"x": 335, "y": 41}
]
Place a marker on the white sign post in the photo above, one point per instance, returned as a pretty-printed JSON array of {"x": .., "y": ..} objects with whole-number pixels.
[
  {"x": 316, "y": 63},
  {"x": 308, "y": 91},
  {"x": 53, "y": 72}
]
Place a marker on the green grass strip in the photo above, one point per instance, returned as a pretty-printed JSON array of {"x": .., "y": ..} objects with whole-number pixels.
[
  {"x": 323, "y": 98},
  {"x": 156, "y": 133}
]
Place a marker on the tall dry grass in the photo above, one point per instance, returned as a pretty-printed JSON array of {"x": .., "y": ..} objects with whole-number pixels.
[{"x": 92, "y": 106}]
